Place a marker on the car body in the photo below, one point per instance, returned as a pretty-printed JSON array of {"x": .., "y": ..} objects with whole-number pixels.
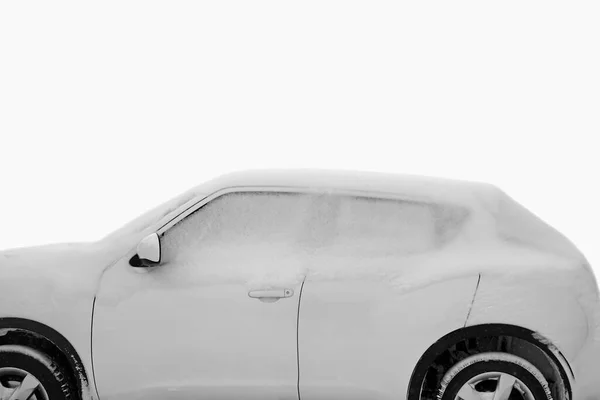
[{"x": 305, "y": 284}]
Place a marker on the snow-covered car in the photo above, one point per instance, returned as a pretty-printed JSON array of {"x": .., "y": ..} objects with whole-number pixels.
[{"x": 306, "y": 285}]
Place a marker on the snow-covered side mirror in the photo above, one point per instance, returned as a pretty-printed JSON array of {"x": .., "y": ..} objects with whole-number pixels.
[{"x": 148, "y": 252}]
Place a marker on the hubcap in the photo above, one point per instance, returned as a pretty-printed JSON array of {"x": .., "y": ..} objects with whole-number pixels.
[
  {"x": 18, "y": 384},
  {"x": 494, "y": 386}
]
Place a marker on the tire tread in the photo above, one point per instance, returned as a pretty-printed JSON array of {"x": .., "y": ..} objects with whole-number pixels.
[
  {"x": 489, "y": 357},
  {"x": 57, "y": 371}
]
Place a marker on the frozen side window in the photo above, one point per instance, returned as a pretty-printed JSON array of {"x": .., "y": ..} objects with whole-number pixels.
[
  {"x": 366, "y": 226},
  {"x": 385, "y": 227},
  {"x": 254, "y": 225},
  {"x": 449, "y": 222}
]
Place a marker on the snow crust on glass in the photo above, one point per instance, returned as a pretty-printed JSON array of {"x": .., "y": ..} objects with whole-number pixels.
[{"x": 408, "y": 232}]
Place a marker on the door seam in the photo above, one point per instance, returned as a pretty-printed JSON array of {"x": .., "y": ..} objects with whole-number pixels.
[
  {"x": 298, "y": 339},
  {"x": 92, "y": 348},
  {"x": 472, "y": 301}
]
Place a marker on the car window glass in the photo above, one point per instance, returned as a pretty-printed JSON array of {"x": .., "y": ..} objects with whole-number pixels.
[
  {"x": 238, "y": 223},
  {"x": 269, "y": 231}
]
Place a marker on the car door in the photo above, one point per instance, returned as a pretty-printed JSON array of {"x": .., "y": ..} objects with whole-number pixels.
[
  {"x": 217, "y": 318},
  {"x": 378, "y": 294}
]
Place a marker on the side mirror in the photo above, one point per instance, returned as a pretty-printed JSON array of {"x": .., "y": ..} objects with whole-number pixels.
[{"x": 148, "y": 252}]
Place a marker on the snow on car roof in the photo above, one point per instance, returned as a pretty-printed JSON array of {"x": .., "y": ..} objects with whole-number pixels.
[
  {"x": 473, "y": 195},
  {"x": 374, "y": 184}
]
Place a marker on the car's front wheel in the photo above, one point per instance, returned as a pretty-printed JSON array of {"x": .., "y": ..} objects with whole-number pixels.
[
  {"x": 26, "y": 374},
  {"x": 497, "y": 376}
]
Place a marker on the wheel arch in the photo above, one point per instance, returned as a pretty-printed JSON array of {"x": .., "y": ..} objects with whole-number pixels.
[
  {"x": 46, "y": 339},
  {"x": 488, "y": 330}
]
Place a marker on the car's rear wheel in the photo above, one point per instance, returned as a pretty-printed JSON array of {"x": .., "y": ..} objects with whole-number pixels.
[
  {"x": 494, "y": 376},
  {"x": 26, "y": 374}
]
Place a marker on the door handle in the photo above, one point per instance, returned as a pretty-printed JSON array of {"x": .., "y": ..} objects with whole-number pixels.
[{"x": 270, "y": 295}]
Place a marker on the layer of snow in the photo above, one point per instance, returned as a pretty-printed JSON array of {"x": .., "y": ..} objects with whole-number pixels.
[
  {"x": 71, "y": 267},
  {"x": 442, "y": 230},
  {"x": 264, "y": 240},
  {"x": 416, "y": 187},
  {"x": 419, "y": 188},
  {"x": 330, "y": 234}
]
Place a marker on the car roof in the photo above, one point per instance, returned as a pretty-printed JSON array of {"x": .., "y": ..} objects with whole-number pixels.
[{"x": 366, "y": 183}]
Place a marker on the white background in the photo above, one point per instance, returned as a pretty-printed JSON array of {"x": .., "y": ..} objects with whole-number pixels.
[{"x": 110, "y": 108}]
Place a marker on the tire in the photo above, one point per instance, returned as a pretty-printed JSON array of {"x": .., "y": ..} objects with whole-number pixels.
[
  {"x": 33, "y": 374},
  {"x": 495, "y": 375}
]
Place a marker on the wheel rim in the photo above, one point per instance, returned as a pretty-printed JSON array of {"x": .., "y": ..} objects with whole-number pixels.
[
  {"x": 18, "y": 384},
  {"x": 494, "y": 386}
]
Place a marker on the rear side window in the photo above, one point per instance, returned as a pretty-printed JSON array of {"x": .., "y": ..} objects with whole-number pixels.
[{"x": 384, "y": 227}]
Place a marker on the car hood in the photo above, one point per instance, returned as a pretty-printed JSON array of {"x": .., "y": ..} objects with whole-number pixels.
[{"x": 68, "y": 266}]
